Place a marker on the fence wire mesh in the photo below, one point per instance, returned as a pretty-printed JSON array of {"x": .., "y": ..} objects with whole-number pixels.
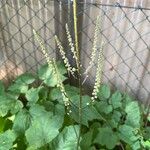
[{"x": 124, "y": 29}]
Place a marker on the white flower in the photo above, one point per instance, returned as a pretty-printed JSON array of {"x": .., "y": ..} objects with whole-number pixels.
[
  {"x": 52, "y": 64},
  {"x": 71, "y": 44},
  {"x": 94, "y": 49},
  {"x": 63, "y": 54},
  {"x": 98, "y": 74}
]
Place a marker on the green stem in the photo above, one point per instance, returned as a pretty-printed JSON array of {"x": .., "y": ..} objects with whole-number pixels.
[
  {"x": 147, "y": 113},
  {"x": 80, "y": 111},
  {"x": 79, "y": 69}
]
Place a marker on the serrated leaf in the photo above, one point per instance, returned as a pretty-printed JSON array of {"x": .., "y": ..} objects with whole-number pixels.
[
  {"x": 86, "y": 141},
  {"x": 115, "y": 118},
  {"x": 71, "y": 90},
  {"x": 56, "y": 109},
  {"x": 16, "y": 106},
  {"x": 55, "y": 94},
  {"x": 22, "y": 122},
  {"x": 21, "y": 83},
  {"x": 43, "y": 93},
  {"x": 8, "y": 104},
  {"x": 32, "y": 95},
  {"x": 46, "y": 74},
  {"x": 89, "y": 113},
  {"x": 106, "y": 137},
  {"x": 6, "y": 140},
  {"x": 25, "y": 79},
  {"x": 49, "y": 77},
  {"x": 38, "y": 111},
  {"x": 43, "y": 130},
  {"x": 44, "y": 127},
  {"x": 136, "y": 145},
  {"x": 103, "y": 107},
  {"x": 24, "y": 118},
  {"x": 126, "y": 134},
  {"x": 126, "y": 99},
  {"x": 61, "y": 67},
  {"x": 104, "y": 92},
  {"x": 67, "y": 139},
  {"x": 116, "y": 100},
  {"x": 18, "y": 88},
  {"x": 133, "y": 114}
]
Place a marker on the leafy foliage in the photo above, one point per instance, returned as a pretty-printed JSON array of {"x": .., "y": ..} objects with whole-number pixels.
[
  {"x": 34, "y": 117},
  {"x": 6, "y": 140},
  {"x": 106, "y": 137},
  {"x": 67, "y": 139}
]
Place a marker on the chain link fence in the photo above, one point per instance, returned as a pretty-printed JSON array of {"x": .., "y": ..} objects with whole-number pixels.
[{"x": 125, "y": 30}]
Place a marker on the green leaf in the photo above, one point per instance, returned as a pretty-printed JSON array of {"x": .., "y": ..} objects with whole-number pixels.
[
  {"x": 56, "y": 109},
  {"x": 136, "y": 145},
  {"x": 71, "y": 90},
  {"x": 2, "y": 124},
  {"x": 8, "y": 104},
  {"x": 38, "y": 111},
  {"x": 32, "y": 95},
  {"x": 115, "y": 118},
  {"x": 133, "y": 114},
  {"x": 55, "y": 94},
  {"x": 44, "y": 127},
  {"x": 18, "y": 88},
  {"x": 49, "y": 77},
  {"x": 116, "y": 100},
  {"x": 104, "y": 92},
  {"x": 22, "y": 122},
  {"x": 103, "y": 107},
  {"x": 21, "y": 83},
  {"x": 6, "y": 140},
  {"x": 127, "y": 134},
  {"x": 147, "y": 144},
  {"x": 24, "y": 118},
  {"x": 106, "y": 137},
  {"x": 25, "y": 79},
  {"x": 89, "y": 113},
  {"x": 126, "y": 100},
  {"x": 147, "y": 133},
  {"x": 67, "y": 139},
  {"x": 43, "y": 93},
  {"x": 86, "y": 141},
  {"x": 2, "y": 89},
  {"x": 46, "y": 74},
  {"x": 16, "y": 106},
  {"x": 61, "y": 67},
  {"x": 8, "y": 124}
]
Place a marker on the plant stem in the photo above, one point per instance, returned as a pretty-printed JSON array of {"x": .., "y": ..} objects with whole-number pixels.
[
  {"x": 147, "y": 113},
  {"x": 80, "y": 112},
  {"x": 79, "y": 69},
  {"x": 122, "y": 146}
]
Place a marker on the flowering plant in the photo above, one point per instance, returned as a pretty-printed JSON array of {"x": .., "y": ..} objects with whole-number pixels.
[{"x": 57, "y": 116}]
